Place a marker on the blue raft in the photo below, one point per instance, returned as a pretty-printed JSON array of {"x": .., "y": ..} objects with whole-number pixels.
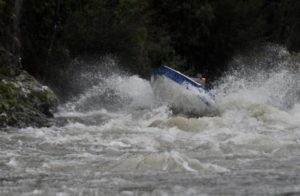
[{"x": 197, "y": 90}]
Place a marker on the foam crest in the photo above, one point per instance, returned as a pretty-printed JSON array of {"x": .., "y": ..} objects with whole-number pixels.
[
  {"x": 181, "y": 99},
  {"x": 182, "y": 123},
  {"x": 264, "y": 78},
  {"x": 113, "y": 93},
  {"x": 135, "y": 88},
  {"x": 167, "y": 161}
]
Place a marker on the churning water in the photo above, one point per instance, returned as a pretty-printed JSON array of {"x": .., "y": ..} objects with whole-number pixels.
[{"x": 118, "y": 139}]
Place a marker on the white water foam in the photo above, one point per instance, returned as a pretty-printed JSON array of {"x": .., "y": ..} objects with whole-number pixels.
[
  {"x": 181, "y": 99},
  {"x": 118, "y": 139}
]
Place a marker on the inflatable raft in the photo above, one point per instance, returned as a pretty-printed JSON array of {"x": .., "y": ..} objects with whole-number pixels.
[{"x": 180, "y": 90}]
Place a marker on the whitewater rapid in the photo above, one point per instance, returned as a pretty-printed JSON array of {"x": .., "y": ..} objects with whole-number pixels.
[{"x": 117, "y": 138}]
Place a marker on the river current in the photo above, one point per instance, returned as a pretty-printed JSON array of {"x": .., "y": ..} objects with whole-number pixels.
[{"x": 117, "y": 138}]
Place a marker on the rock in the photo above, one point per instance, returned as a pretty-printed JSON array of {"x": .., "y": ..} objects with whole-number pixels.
[{"x": 25, "y": 102}]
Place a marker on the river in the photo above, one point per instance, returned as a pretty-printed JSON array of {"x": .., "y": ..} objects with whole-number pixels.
[{"x": 117, "y": 138}]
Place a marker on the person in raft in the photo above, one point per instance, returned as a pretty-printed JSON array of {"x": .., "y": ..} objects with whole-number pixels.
[{"x": 200, "y": 79}]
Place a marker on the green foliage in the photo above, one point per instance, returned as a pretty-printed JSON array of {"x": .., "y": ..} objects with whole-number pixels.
[
  {"x": 208, "y": 33},
  {"x": 24, "y": 103},
  {"x": 44, "y": 52},
  {"x": 193, "y": 36},
  {"x": 2, "y": 4},
  {"x": 283, "y": 23},
  {"x": 8, "y": 95},
  {"x": 102, "y": 27},
  {"x": 7, "y": 71}
]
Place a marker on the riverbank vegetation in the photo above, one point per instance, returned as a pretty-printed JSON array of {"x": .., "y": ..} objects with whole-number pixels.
[{"x": 192, "y": 35}]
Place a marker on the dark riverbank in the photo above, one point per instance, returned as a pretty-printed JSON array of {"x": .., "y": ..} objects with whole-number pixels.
[{"x": 24, "y": 101}]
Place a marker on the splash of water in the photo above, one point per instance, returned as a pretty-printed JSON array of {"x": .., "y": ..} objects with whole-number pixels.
[
  {"x": 266, "y": 77},
  {"x": 132, "y": 144},
  {"x": 112, "y": 92}
]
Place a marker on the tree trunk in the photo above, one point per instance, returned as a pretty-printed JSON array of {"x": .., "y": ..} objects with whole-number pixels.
[{"x": 9, "y": 33}]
